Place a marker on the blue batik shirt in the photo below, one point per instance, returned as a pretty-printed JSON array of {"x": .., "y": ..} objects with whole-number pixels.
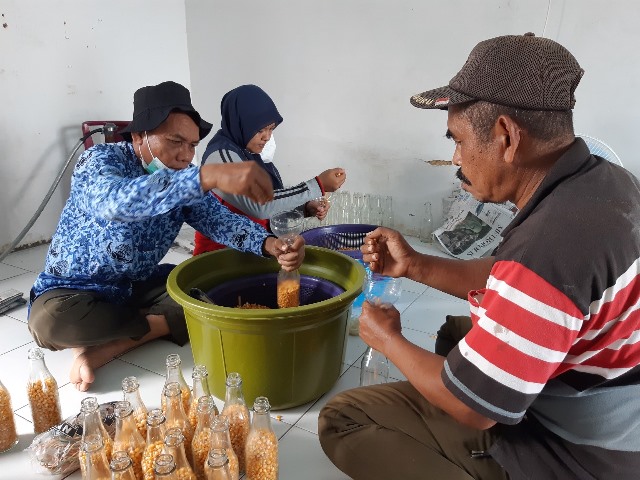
[{"x": 119, "y": 222}]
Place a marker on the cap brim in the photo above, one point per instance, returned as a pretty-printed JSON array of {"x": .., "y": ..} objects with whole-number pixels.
[
  {"x": 441, "y": 98},
  {"x": 153, "y": 118}
]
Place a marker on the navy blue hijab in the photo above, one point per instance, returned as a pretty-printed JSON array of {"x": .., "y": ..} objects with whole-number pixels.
[{"x": 245, "y": 111}]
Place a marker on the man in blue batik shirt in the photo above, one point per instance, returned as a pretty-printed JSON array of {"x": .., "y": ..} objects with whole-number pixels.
[{"x": 103, "y": 291}]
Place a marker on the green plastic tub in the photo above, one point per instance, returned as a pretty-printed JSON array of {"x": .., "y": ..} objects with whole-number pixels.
[{"x": 290, "y": 355}]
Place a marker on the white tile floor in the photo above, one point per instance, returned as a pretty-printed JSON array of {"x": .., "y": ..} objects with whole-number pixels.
[{"x": 423, "y": 310}]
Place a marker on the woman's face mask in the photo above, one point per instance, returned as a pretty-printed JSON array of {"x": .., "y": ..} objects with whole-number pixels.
[{"x": 269, "y": 150}]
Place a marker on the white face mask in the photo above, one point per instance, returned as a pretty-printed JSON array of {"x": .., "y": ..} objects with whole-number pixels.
[
  {"x": 269, "y": 150},
  {"x": 155, "y": 164}
]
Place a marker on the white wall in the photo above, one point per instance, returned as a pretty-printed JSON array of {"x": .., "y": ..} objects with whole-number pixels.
[
  {"x": 65, "y": 62},
  {"x": 342, "y": 72}
]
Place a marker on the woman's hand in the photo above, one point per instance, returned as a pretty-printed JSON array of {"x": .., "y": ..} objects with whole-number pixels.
[
  {"x": 289, "y": 257},
  {"x": 332, "y": 179}
]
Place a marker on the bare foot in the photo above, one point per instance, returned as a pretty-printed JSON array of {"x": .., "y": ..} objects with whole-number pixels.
[{"x": 81, "y": 374}]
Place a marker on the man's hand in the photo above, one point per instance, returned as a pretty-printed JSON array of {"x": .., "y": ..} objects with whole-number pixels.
[
  {"x": 378, "y": 325},
  {"x": 242, "y": 178},
  {"x": 332, "y": 179},
  {"x": 290, "y": 257},
  {"x": 387, "y": 252}
]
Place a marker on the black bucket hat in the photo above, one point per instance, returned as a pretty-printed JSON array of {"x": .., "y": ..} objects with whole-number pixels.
[
  {"x": 520, "y": 71},
  {"x": 153, "y": 104}
]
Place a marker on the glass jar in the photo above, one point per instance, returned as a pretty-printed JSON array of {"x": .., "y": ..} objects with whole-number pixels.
[
  {"x": 42, "y": 390},
  {"x": 156, "y": 431},
  {"x": 93, "y": 460},
  {"x": 202, "y": 435},
  {"x": 200, "y": 378},
  {"x": 220, "y": 438},
  {"x": 174, "y": 443},
  {"x": 262, "y": 444},
  {"x": 92, "y": 423},
  {"x": 174, "y": 374},
  {"x": 235, "y": 409},
  {"x": 288, "y": 289},
  {"x": 121, "y": 467},
  {"x": 164, "y": 467},
  {"x": 176, "y": 417},
  {"x": 131, "y": 391},
  {"x": 127, "y": 437},
  {"x": 217, "y": 465},
  {"x": 8, "y": 433}
]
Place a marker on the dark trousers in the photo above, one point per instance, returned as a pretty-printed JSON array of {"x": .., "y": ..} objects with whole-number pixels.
[
  {"x": 66, "y": 318},
  {"x": 391, "y": 431}
]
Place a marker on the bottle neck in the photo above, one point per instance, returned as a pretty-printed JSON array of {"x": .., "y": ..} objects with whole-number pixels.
[
  {"x": 200, "y": 387},
  {"x": 220, "y": 438},
  {"x": 174, "y": 374},
  {"x": 179, "y": 455},
  {"x": 155, "y": 433},
  {"x": 261, "y": 420},
  {"x": 233, "y": 395}
]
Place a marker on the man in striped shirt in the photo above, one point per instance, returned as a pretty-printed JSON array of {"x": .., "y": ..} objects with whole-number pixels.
[{"x": 543, "y": 382}]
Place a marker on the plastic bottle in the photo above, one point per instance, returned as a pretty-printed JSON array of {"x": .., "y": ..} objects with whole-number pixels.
[
  {"x": 164, "y": 468},
  {"x": 288, "y": 289},
  {"x": 156, "y": 431},
  {"x": 174, "y": 374},
  {"x": 174, "y": 443},
  {"x": 217, "y": 465},
  {"x": 131, "y": 391},
  {"x": 202, "y": 435},
  {"x": 42, "y": 390},
  {"x": 374, "y": 368},
  {"x": 176, "y": 417},
  {"x": 200, "y": 378},
  {"x": 93, "y": 460},
  {"x": 127, "y": 438},
  {"x": 92, "y": 423},
  {"x": 220, "y": 438},
  {"x": 262, "y": 444},
  {"x": 121, "y": 467},
  {"x": 235, "y": 409},
  {"x": 8, "y": 433}
]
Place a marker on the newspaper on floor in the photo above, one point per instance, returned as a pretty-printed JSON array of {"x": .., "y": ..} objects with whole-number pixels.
[{"x": 472, "y": 229}]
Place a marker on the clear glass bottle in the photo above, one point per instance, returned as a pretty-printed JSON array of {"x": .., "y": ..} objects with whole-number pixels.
[
  {"x": 127, "y": 437},
  {"x": 174, "y": 443},
  {"x": 93, "y": 460},
  {"x": 200, "y": 378},
  {"x": 237, "y": 412},
  {"x": 174, "y": 374},
  {"x": 374, "y": 368},
  {"x": 426, "y": 224},
  {"x": 176, "y": 417},
  {"x": 121, "y": 467},
  {"x": 131, "y": 391},
  {"x": 221, "y": 438},
  {"x": 164, "y": 468},
  {"x": 262, "y": 444},
  {"x": 42, "y": 390},
  {"x": 92, "y": 423},
  {"x": 156, "y": 431},
  {"x": 217, "y": 465},
  {"x": 202, "y": 435},
  {"x": 8, "y": 433},
  {"x": 288, "y": 289}
]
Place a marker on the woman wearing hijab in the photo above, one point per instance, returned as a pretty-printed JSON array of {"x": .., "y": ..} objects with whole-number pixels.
[{"x": 249, "y": 118}]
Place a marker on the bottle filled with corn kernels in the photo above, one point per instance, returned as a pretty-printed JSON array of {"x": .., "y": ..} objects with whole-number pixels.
[
  {"x": 235, "y": 409},
  {"x": 92, "y": 424},
  {"x": 220, "y": 438},
  {"x": 217, "y": 466},
  {"x": 202, "y": 435},
  {"x": 164, "y": 467},
  {"x": 93, "y": 460},
  {"x": 174, "y": 374},
  {"x": 8, "y": 433},
  {"x": 127, "y": 437},
  {"x": 176, "y": 417},
  {"x": 288, "y": 294},
  {"x": 42, "y": 390},
  {"x": 156, "y": 431},
  {"x": 131, "y": 392},
  {"x": 174, "y": 443},
  {"x": 262, "y": 444},
  {"x": 121, "y": 467},
  {"x": 200, "y": 378}
]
